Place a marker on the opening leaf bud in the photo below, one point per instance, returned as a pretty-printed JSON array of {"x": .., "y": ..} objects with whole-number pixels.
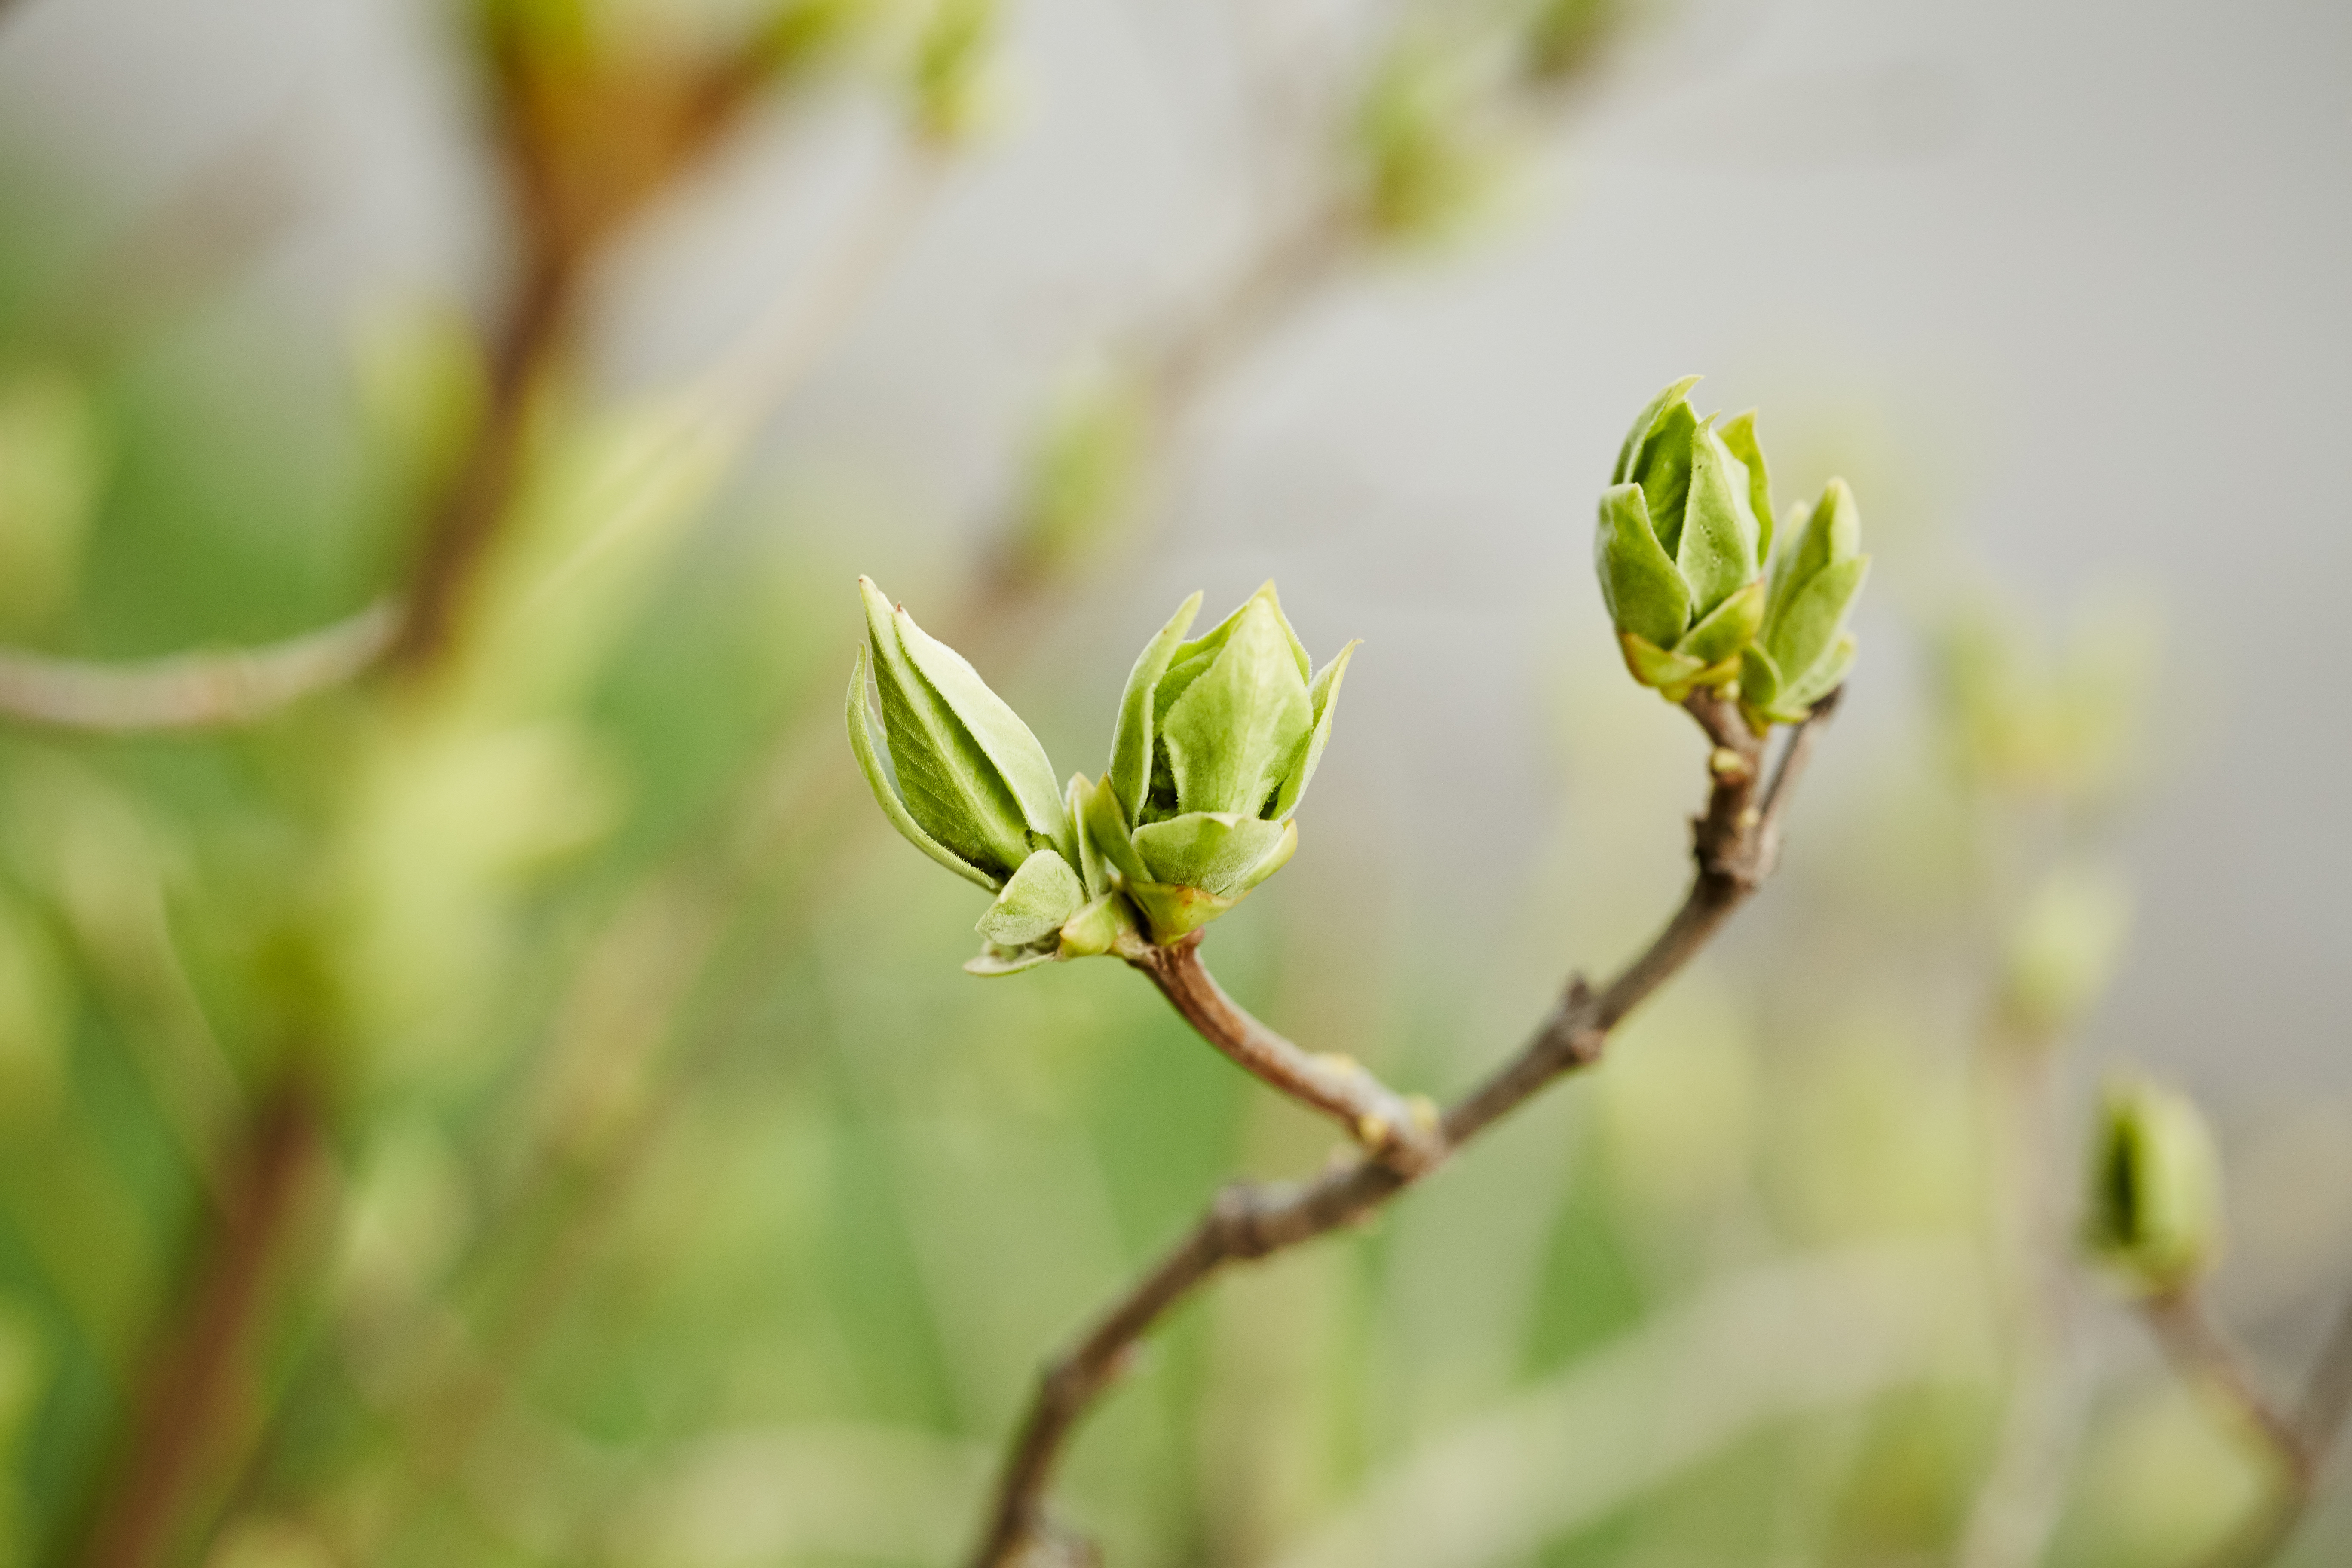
[
  {"x": 1685, "y": 527},
  {"x": 962, "y": 779},
  {"x": 2154, "y": 1214},
  {"x": 1216, "y": 741}
]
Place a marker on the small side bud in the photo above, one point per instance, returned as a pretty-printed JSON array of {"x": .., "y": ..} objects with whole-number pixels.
[
  {"x": 2063, "y": 951},
  {"x": 2155, "y": 1211}
]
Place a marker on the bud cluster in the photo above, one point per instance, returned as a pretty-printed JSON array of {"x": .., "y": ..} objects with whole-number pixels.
[
  {"x": 1217, "y": 736},
  {"x": 1681, "y": 551},
  {"x": 1216, "y": 740}
]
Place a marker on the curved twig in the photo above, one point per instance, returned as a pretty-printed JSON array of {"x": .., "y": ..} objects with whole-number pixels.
[
  {"x": 190, "y": 690},
  {"x": 2298, "y": 1441},
  {"x": 1399, "y": 1131},
  {"x": 1248, "y": 1221}
]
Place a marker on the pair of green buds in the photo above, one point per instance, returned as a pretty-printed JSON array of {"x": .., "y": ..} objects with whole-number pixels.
[
  {"x": 1686, "y": 529},
  {"x": 1216, "y": 740}
]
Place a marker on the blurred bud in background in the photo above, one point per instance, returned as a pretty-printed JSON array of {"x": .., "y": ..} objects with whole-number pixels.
[
  {"x": 1565, "y": 38},
  {"x": 792, "y": 38},
  {"x": 952, "y": 84},
  {"x": 1086, "y": 469},
  {"x": 1426, "y": 160},
  {"x": 2155, "y": 1211},
  {"x": 2063, "y": 951},
  {"x": 2026, "y": 718},
  {"x": 50, "y": 471}
]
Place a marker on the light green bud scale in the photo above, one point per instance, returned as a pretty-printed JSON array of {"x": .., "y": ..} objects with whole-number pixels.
[
  {"x": 1685, "y": 530},
  {"x": 1216, "y": 740}
]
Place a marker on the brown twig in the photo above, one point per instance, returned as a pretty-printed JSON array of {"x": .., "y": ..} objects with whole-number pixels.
[
  {"x": 1733, "y": 849},
  {"x": 1399, "y": 1132},
  {"x": 2328, "y": 1396},
  {"x": 461, "y": 528},
  {"x": 2298, "y": 1442},
  {"x": 194, "y": 1395},
  {"x": 2205, "y": 1359}
]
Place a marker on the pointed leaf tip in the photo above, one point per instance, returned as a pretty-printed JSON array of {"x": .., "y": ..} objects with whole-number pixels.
[{"x": 1128, "y": 776}]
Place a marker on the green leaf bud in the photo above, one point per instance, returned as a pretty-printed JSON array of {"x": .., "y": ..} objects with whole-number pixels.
[
  {"x": 2155, "y": 1212},
  {"x": 1085, "y": 469},
  {"x": 962, "y": 779},
  {"x": 2062, "y": 952},
  {"x": 1426, "y": 160},
  {"x": 950, "y": 86},
  {"x": 1564, "y": 37},
  {"x": 1685, "y": 528},
  {"x": 794, "y": 36},
  {"x": 1803, "y": 650},
  {"x": 1217, "y": 740}
]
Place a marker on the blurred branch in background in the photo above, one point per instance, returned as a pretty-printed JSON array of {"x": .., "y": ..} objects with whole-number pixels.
[
  {"x": 2298, "y": 1438},
  {"x": 197, "y": 691},
  {"x": 589, "y": 137},
  {"x": 1754, "y": 1350},
  {"x": 2039, "y": 745}
]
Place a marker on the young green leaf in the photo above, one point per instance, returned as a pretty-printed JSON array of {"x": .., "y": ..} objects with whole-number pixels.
[
  {"x": 1740, "y": 435},
  {"x": 1323, "y": 696},
  {"x": 1639, "y": 582},
  {"x": 1239, "y": 719},
  {"x": 866, "y": 746},
  {"x": 947, "y": 781},
  {"x": 1211, "y": 850},
  {"x": 1130, "y": 775},
  {"x": 1718, "y": 550},
  {"x": 1043, "y": 893}
]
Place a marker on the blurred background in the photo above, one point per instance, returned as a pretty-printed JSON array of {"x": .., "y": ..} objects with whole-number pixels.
[{"x": 479, "y": 1084}]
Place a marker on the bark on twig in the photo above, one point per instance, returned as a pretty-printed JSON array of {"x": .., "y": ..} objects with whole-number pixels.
[
  {"x": 2298, "y": 1442},
  {"x": 193, "y": 1392},
  {"x": 1733, "y": 846},
  {"x": 2328, "y": 1397},
  {"x": 1400, "y": 1131}
]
